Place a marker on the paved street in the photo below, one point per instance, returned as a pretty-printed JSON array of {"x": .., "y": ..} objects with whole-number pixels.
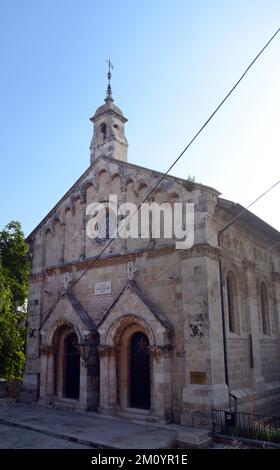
[
  {"x": 80, "y": 428},
  {"x": 13, "y": 437}
]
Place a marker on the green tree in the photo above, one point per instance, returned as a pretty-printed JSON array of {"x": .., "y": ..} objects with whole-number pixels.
[
  {"x": 14, "y": 274},
  {"x": 15, "y": 261}
]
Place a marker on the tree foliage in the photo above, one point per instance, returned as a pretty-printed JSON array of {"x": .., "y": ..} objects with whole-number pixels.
[{"x": 14, "y": 274}]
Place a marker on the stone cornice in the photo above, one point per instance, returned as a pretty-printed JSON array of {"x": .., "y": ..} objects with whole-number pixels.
[
  {"x": 111, "y": 112},
  {"x": 201, "y": 250},
  {"x": 106, "y": 261}
]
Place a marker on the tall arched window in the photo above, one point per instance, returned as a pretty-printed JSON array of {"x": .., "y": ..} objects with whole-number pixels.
[
  {"x": 103, "y": 132},
  {"x": 264, "y": 308},
  {"x": 232, "y": 298}
]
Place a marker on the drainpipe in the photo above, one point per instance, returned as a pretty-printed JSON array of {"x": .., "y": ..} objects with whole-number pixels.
[{"x": 230, "y": 395}]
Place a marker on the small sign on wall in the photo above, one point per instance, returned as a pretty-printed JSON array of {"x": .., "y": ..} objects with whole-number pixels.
[
  {"x": 198, "y": 378},
  {"x": 229, "y": 418},
  {"x": 102, "y": 287}
]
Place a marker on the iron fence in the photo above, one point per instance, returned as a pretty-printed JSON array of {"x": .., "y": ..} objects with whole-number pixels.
[
  {"x": 13, "y": 389},
  {"x": 246, "y": 426}
]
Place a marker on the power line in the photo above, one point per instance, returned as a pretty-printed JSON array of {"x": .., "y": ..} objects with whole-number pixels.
[
  {"x": 274, "y": 246},
  {"x": 173, "y": 164},
  {"x": 227, "y": 225},
  {"x": 244, "y": 210}
]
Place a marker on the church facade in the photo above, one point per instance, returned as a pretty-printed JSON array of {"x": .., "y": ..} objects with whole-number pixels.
[{"x": 138, "y": 328}]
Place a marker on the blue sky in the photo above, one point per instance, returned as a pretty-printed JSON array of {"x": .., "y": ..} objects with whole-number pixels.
[{"x": 173, "y": 62}]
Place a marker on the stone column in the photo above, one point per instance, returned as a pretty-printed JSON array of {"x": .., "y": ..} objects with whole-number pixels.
[
  {"x": 47, "y": 373},
  {"x": 83, "y": 396},
  {"x": 112, "y": 376},
  {"x": 32, "y": 367},
  {"x": 108, "y": 378},
  {"x": 161, "y": 387},
  {"x": 205, "y": 386},
  {"x": 50, "y": 373}
]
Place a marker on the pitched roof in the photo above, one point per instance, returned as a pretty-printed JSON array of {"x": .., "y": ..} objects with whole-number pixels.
[
  {"x": 78, "y": 308},
  {"x": 145, "y": 299},
  {"x": 234, "y": 209}
]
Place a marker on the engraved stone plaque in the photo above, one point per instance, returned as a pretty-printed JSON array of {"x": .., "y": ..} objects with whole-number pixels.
[{"x": 102, "y": 287}]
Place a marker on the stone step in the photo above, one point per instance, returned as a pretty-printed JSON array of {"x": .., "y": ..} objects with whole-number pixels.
[
  {"x": 138, "y": 417},
  {"x": 66, "y": 406},
  {"x": 194, "y": 438}
]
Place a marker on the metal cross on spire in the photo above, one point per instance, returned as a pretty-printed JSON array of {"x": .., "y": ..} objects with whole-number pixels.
[{"x": 109, "y": 75}]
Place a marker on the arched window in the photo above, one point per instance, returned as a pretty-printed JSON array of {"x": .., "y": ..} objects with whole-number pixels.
[
  {"x": 106, "y": 224},
  {"x": 116, "y": 130},
  {"x": 264, "y": 308},
  {"x": 232, "y": 298},
  {"x": 103, "y": 132}
]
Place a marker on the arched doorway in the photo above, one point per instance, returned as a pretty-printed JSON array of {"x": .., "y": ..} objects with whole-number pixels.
[
  {"x": 71, "y": 385},
  {"x": 140, "y": 389},
  {"x": 66, "y": 363}
]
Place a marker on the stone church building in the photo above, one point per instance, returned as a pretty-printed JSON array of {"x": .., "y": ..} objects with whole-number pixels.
[{"x": 143, "y": 330}]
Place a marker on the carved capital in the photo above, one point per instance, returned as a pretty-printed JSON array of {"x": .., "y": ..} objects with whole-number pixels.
[
  {"x": 46, "y": 350},
  {"x": 106, "y": 350},
  {"x": 161, "y": 351}
]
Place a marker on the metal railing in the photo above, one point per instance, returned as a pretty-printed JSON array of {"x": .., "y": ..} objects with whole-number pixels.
[
  {"x": 13, "y": 389},
  {"x": 245, "y": 426}
]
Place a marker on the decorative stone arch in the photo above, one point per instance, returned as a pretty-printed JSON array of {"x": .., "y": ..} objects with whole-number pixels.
[
  {"x": 100, "y": 173},
  {"x": 77, "y": 197},
  {"x": 158, "y": 195},
  {"x": 55, "y": 219},
  {"x": 141, "y": 189},
  {"x": 124, "y": 323},
  {"x": 103, "y": 173},
  {"x": 142, "y": 185},
  {"x": 68, "y": 208},
  {"x": 89, "y": 184},
  {"x": 58, "y": 337},
  {"x": 48, "y": 229},
  {"x": 57, "y": 325},
  {"x": 173, "y": 197},
  {"x": 133, "y": 312},
  {"x": 129, "y": 184},
  {"x": 119, "y": 338},
  {"x": 68, "y": 317},
  {"x": 115, "y": 175}
]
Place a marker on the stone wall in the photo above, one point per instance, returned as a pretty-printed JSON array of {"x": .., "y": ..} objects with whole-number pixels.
[{"x": 183, "y": 284}]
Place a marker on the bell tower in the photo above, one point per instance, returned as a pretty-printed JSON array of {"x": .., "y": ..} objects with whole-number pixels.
[{"x": 108, "y": 128}]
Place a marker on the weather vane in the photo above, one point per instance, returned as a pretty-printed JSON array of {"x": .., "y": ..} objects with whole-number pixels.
[{"x": 109, "y": 76}]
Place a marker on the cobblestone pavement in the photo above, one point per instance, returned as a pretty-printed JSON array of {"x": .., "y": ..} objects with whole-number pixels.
[{"x": 12, "y": 437}]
